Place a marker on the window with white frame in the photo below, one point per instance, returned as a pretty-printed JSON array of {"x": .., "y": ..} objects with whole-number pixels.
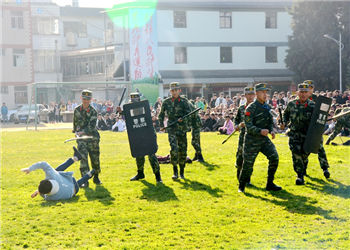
[
  {"x": 180, "y": 19},
  {"x": 225, "y": 20},
  {"x": 180, "y": 55},
  {"x": 4, "y": 89},
  {"x": 18, "y": 57},
  {"x": 271, "y": 20},
  {"x": 44, "y": 61},
  {"x": 21, "y": 96},
  {"x": 45, "y": 25},
  {"x": 271, "y": 54},
  {"x": 17, "y": 20}
]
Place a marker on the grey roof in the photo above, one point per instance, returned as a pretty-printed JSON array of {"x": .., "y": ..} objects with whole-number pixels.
[
  {"x": 183, "y": 74},
  {"x": 225, "y": 4},
  {"x": 79, "y": 11}
]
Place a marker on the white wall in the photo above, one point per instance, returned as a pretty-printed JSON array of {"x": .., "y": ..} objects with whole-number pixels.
[{"x": 203, "y": 26}]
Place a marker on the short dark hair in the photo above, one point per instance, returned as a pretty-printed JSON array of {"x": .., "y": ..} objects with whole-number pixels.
[{"x": 45, "y": 187}]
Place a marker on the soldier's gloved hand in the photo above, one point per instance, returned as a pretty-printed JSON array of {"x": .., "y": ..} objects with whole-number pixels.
[
  {"x": 264, "y": 132},
  {"x": 119, "y": 109},
  {"x": 180, "y": 120},
  {"x": 162, "y": 129},
  {"x": 242, "y": 125},
  {"x": 282, "y": 127},
  {"x": 78, "y": 134}
]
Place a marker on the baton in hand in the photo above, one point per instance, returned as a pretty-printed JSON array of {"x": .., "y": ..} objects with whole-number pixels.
[
  {"x": 121, "y": 99},
  {"x": 229, "y": 137},
  {"x": 182, "y": 118},
  {"x": 280, "y": 111},
  {"x": 84, "y": 137}
]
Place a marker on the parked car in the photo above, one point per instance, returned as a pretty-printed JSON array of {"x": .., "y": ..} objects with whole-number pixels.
[
  {"x": 23, "y": 114},
  {"x": 10, "y": 115}
]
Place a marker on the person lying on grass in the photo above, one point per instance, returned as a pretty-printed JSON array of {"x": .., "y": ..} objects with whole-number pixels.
[{"x": 58, "y": 185}]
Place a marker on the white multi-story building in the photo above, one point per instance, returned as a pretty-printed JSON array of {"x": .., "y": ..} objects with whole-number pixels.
[
  {"x": 16, "y": 52},
  {"x": 212, "y": 46}
]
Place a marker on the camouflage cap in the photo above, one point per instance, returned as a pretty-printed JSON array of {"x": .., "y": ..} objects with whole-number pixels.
[
  {"x": 261, "y": 87},
  {"x": 303, "y": 87},
  {"x": 249, "y": 90},
  {"x": 311, "y": 83},
  {"x": 174, "y": 85},
  {"x": 86, "y": 94}
]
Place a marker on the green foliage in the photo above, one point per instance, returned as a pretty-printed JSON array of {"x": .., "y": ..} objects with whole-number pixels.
[
  {"x": 206, "y": 211},
  {"x": 310, "y": 55}
]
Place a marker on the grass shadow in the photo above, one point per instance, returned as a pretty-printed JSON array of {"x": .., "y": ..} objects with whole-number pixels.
[
  {"x": 101, "y": 194},
  {"x": 294, "y": 203},
  {"x": 158, "y": 192},
  {"x": 339, "y": 190},
  {"x": 45, "y": 203},
  {"x": 197, "y": 186},
  {"x": 209, "y": 166}
]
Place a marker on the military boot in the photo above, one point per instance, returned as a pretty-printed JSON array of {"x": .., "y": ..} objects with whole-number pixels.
[
  {"x": 96, "y": 180},
  {"x": 241, "y": 187},
  {"x": 176, "y": 174},
  {"x": 158, "y": 178},
  {"x": 182, "y": 172},
  {"x": 140, "y": 175},
  {"x": 270, "y": 186},
  {"x": 326, "y": 173},
  {"x": 300, "y": 180},
  {"x": 200, "y": 157}
]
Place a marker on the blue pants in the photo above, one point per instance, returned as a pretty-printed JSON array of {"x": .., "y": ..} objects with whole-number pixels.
[{"x": 78, "y": 183}]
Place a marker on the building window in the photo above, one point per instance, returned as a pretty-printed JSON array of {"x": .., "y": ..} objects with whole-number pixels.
[
  {"x": 17, "y": 19},
  {"x": 18, "y": 57},
  {"x": 21, "y": 95},
  {"x": 78, "y": 28},
  {"x": 225, "y": 54},
  {"x": 271, "y": 20},
  {"x": 225, "y": 20},
  {"x": 4, "y": 89},
  {"x": 45, "y": 25},
  {"x": 44, "y": 61},
  {"x": 179, "y": 19},
  {"x": 271, "y": 54},
  {"x": 2, "y": 52},
  {"x": 180, "y": 55}
]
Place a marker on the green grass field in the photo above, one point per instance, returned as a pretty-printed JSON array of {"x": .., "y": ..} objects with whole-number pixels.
[{"x": 205, "y": 211}]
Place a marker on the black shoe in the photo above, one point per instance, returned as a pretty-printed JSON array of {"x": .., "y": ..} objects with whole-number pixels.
[
  {"x": 77, "y": 153},
  {"x": 272, "y": 187},
  {"x": 326, "y": 173},
  {"x": 85, "y": 185},
  {"x": 299, "y": 181},
  {"x": 158, "y": 178},
  {"x": 97, "y": 180},
  {"x": 241, "y": 187},
  {"x": 176, "y": 175},
  {"x": 140, "y": 175},
  {"x": 195, "y": 157},
  {"x": 200, "y": 157}
]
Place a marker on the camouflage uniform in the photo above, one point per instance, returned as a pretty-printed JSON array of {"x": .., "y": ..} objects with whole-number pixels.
[
  {"x": 175, "y": 109},
  {"x": 322, "y": 157},
  {"x": 239, "y": 155},
  {"x": 195, "y": 123},
  {"x": 258, "y": 117},
  {"x": 84, "y": 120},
  {"x": 297, "y": 117},
  {"x": 342, "y": 122}
]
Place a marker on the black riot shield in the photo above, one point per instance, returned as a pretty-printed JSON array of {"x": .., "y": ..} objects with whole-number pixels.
[
  {"x": 139, "y": 125},
  {"x": 317, "y": 125}
]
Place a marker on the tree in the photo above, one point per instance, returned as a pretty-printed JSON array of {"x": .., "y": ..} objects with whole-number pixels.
[{"x": 310, "y": 55}]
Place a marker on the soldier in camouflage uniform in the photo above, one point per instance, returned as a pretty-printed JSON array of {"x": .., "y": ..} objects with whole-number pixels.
[
  {"x": 322, "y": 157},
  {"x": 259, "y": 123},
  {"x": 84, "y": 123},
  {"x": 342, "y": 122},
  {"x": 175, "y": 107},
  {"x": 249, "y": 93},
  {"x": 297, "y": 117},
  {"x": 140, "y": 161},
  {"x": 195, "y": 123}
]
